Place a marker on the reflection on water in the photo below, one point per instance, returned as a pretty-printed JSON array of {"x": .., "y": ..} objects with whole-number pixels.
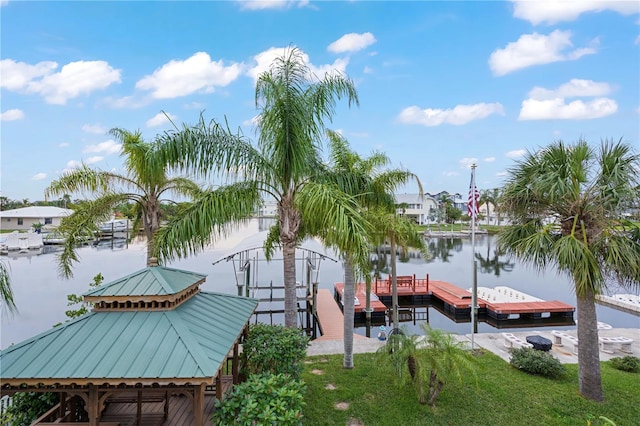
[{"x": 41, "y": 296}]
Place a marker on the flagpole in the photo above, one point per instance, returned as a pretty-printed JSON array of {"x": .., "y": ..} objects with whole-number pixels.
[{"x": 474, "y": 294}]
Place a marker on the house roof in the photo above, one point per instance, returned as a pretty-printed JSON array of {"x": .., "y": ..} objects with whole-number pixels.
[
  {"x": 186, "y": 345},
  {"x": 37, "y": 212},
  {"x": 151, "y": 281}
]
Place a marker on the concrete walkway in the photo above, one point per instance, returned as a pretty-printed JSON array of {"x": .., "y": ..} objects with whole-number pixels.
[{"x": 493, "y": 342}]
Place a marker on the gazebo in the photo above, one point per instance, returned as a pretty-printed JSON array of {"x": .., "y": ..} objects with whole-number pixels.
[{"x": 155, "y": 349}]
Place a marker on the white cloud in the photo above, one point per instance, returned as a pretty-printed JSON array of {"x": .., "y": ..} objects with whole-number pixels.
[
  {"x": 265, "y": 59},
  {"x": 94, "y": 159},
  {"x": 450, "y": 173},
  {"x": 71, "y": 165},
  {"x": 16, "y": 75},
  {"x": 63, "y": 144},
  {"x": 489, "y": 159},
  {"x": 461, "y": 114},
  {"x": 4, "y": 2},
  {"x": 253, "y": 121},
  {"x": 94, "y": 128},
  {"x": 159, "y": 119},
  {"x": 558, "y": 109},
  {"x": 574, "y": 88},
  {"x": 536, "y": 49},
  {"x": 637, "y": 40},
  {"x": 352, "y": 42},
  {"x": 555, "y": 11},
  {"x": 502, "y": 174},
  {"x": 12, "y": 115},
  {"x": 368, "y": 70},
  {"x": 271, "y": 4},
  {"x": 194, "y": 105},
  {"x": 195, "y": 74},
  {"x": 73, "y": 79},
  {"x": 467, "y": 162},
  {"x": 39, "y": 176},
  {"x": 107, "y": 147},
  {"x": 516, "y": 154},
  {"x": 545, "y": 104}
]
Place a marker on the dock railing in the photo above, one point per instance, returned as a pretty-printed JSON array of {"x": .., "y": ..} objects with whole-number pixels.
[{"x": 383, "y": 286}]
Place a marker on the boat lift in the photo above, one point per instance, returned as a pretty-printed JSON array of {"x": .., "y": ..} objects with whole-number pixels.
[{"x": 246, "y": 263}]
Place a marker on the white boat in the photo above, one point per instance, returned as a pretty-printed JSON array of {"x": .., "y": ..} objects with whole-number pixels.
[
  {"x": 22, "y": 242},
  {"x": 53, "y": 238},
  {"x": 115, "y": 225}
]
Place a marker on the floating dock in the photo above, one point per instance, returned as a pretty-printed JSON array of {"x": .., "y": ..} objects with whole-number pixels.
[
  {"x": 500, "y": 304},
  {"x": 624, "y": 302},
  {"x": 330, "y": 317}
]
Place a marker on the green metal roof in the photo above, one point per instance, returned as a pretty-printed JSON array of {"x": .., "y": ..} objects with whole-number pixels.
[
  {"x": 151, "y": 281},
  {"x": 187, "y": 343}
]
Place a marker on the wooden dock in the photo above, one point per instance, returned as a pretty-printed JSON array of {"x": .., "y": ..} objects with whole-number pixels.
[
  {"x": 330, "y": 317},
  {"x": 457, "y": 302}
]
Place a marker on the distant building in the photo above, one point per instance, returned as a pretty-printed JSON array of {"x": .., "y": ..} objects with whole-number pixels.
[
  {"x": 423, "y": 211},
  {"x": 23, "y": 219}
]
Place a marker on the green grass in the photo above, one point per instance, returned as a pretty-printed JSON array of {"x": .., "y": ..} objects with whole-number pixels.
[{"x": 503, "y": 396}]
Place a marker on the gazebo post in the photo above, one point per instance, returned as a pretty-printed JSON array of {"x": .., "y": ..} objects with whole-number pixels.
[
  {"x": 93, "y": 410},
  {"x": 198, "y": 404},
  {"x": 63, "y": 404},
  {"x": 236, "y": 361}
]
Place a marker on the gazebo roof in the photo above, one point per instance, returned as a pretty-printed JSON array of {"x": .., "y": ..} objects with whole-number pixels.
[
  {"x": 151, "y": 281},
  {"x": 185, "y": 345}
]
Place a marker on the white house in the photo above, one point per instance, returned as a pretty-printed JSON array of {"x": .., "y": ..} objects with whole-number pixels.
[
  {"x": 23, "y": 219},
  {"x": 421, "y": 210}
]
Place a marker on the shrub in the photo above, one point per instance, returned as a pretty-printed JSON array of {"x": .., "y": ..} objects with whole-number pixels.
[
  {"x": 264, "y": 399},
  {"x": 537, "y": 362},
  {"x": 275, "y": 349},
  {"x": 626, "y": 363},
  {"x": 28, "y": 406}
]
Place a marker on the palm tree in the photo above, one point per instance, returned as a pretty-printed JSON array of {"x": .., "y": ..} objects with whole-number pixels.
[
  {"x": 286, "y": 165},
  {"x": 145, "y": 183},
  {"x": 431, "y": 361},
  {"x": 566, "y": 204},
  {"x": 490, "y": 198},
  {"x": 389, "y": 228},
  {"x": 372, "y": 187},
  {"x": 6, "y": 294}
]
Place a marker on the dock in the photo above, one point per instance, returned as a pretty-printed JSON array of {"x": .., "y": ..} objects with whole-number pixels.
[
  {"x": 330, "y": 317},
  {"x": 456, "y": 302}
]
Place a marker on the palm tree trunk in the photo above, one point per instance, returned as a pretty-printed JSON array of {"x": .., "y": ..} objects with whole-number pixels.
[
  {"x": 394, "y": 284},
  {"x": 290, "y": 295},
  {"x": 348, "y": 300},
  {"x": 589, "y": 378}
]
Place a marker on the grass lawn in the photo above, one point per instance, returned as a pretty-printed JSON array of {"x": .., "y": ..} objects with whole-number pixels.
[{"x": 503, "y": 396}]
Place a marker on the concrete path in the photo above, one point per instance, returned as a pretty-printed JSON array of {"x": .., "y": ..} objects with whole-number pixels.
[{"x": 493, "y": 342}]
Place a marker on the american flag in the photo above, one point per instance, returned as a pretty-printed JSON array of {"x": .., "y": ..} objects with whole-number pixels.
[{"x": 472, "y": 202}]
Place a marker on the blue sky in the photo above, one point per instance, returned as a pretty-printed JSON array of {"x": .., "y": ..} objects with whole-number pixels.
[{"x": 441, "y": 84}]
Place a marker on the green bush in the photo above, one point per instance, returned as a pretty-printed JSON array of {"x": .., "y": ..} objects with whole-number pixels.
[
  {"x": 27, "y": 406},
  {"x": 537, "y": 362},
  {"x": 626, "y": 363},
  {"x": 275, "y": 349},
  {"x": 264, "y": 399}
]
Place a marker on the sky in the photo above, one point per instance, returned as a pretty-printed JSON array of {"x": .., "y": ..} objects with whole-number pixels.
[{"x": 441, "y": 85}]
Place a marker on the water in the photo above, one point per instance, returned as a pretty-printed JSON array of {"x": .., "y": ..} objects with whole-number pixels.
[{"x": 41, "y": 296}]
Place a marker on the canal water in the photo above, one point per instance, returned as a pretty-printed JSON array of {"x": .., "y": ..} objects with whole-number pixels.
[{"x": 41, "y": 295}]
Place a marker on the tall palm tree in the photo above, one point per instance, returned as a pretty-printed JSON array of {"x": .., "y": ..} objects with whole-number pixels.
[
  {"x": 6, "y": 294},
  {"x": 490, "y": 197},
  {"x": 373, "y": 187},
  {"x": 145, "y": 182},
  {"x": 566, "y": 204},
  {"x": 286, "y": 165}
]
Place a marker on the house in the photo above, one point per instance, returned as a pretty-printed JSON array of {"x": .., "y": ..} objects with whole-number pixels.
[
  {"x": 154, "y": 348},
  {"x": 23, "y": 219},
  {"x": 421, "y": 209}
]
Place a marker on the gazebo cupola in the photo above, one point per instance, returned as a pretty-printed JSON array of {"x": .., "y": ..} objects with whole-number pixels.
[{"x": 154, "y": 288}]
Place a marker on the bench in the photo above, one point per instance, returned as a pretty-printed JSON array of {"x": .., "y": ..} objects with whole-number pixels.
[
  {"x": 559, "y": 335},
  {"x": 606, "y": 344},
  {"x": 510, "y": 339}
]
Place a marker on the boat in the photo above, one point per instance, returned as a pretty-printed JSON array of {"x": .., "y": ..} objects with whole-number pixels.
[
  {"x": 53, "y": 238},
  {"x": 114, "y": 225},
  {"x": 22, "y": 242}
]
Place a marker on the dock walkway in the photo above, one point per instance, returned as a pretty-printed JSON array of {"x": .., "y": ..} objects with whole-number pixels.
[{"x": 330, "y": 317}]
